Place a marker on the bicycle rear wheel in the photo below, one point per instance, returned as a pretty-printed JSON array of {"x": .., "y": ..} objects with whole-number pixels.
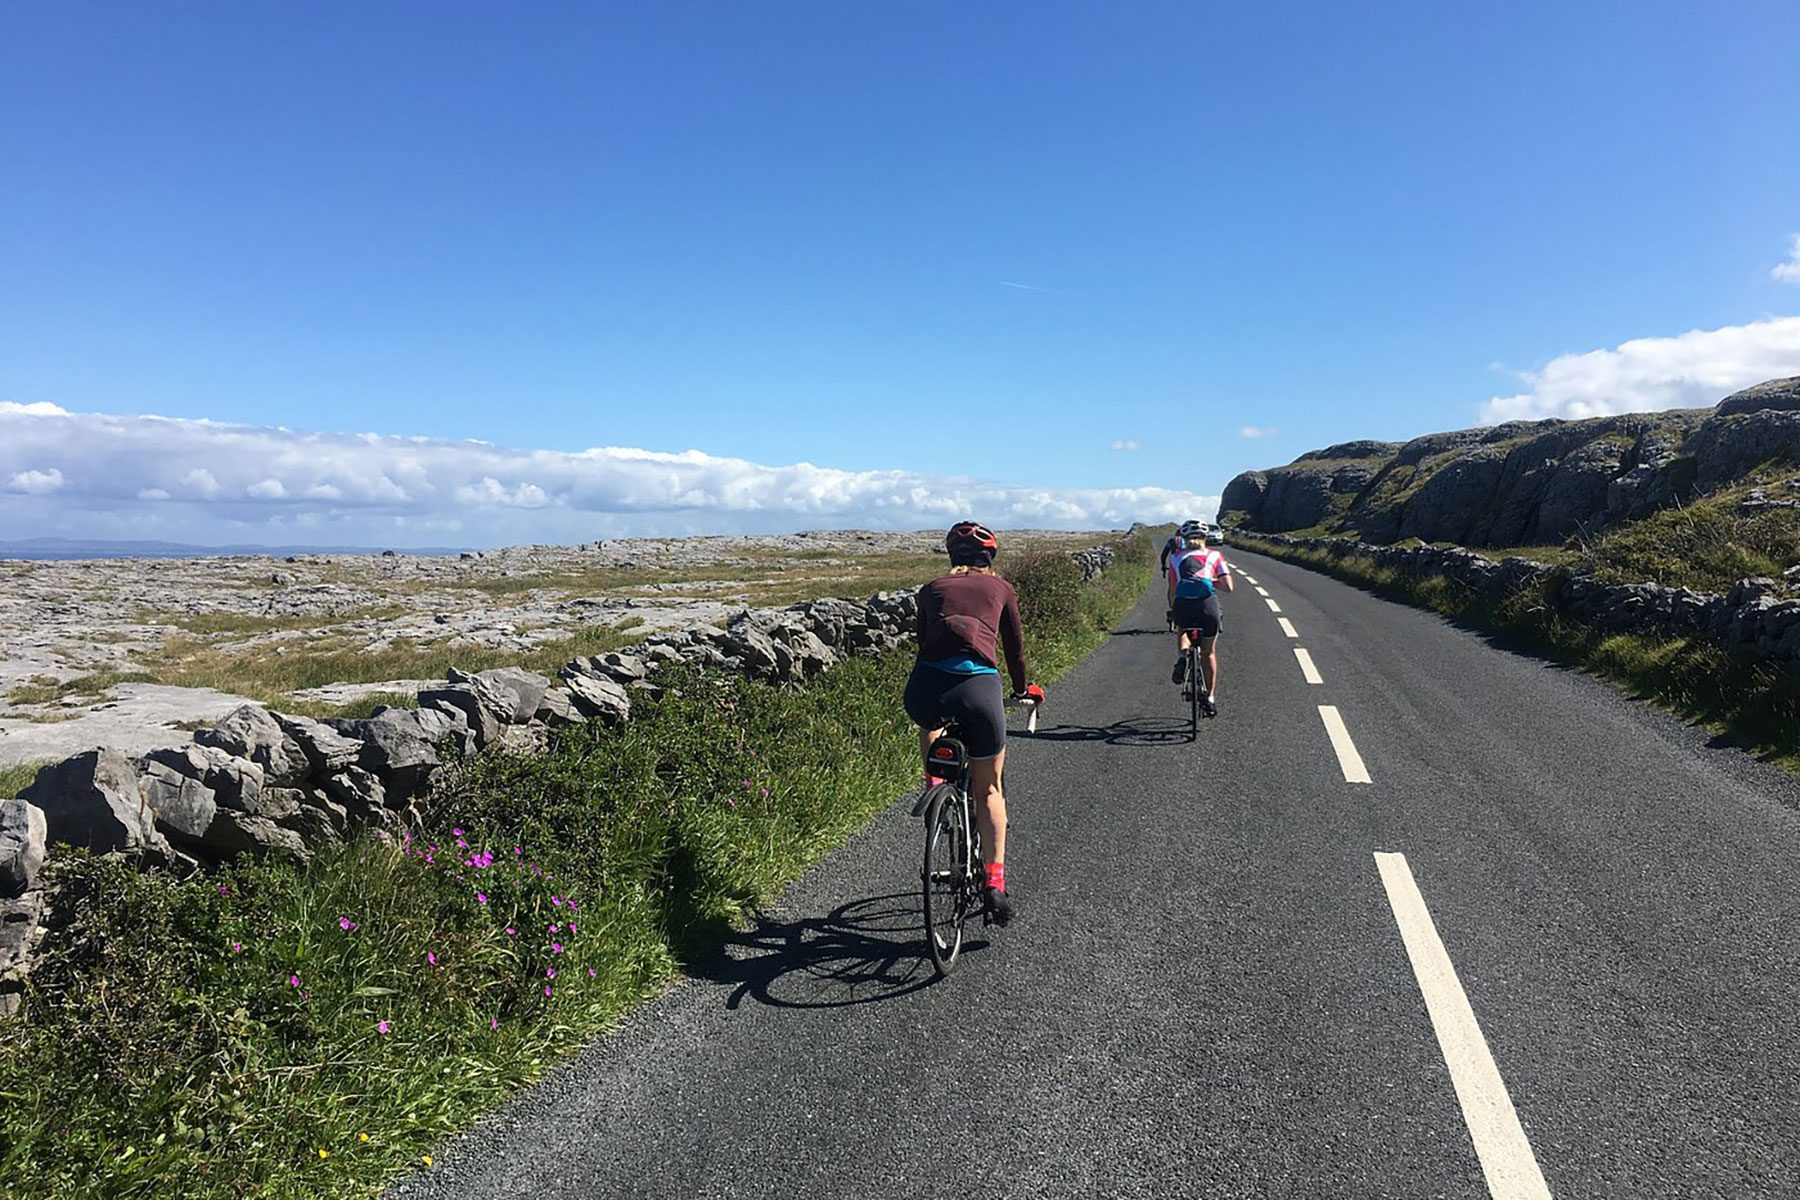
[
  {"x": 945, "y": 876},
  {"x": 1195, "y": 691}
]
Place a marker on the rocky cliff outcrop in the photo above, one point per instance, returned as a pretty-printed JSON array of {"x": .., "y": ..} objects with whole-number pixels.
[{"x": 1525, "y": 482}]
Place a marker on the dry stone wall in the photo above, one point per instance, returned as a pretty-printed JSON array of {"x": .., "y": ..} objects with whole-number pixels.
[
  {"x": 264, "y": 782},
  {"x": 1758, "y": 617}
]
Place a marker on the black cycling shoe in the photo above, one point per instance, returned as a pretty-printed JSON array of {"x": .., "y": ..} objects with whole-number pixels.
[
  {"x": 999, "y": 907},
  {"x": 1180, "y": 670},
  {"x": 1209, "y": 706}
]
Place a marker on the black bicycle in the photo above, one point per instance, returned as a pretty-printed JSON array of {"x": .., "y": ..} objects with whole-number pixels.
[
  {"x": 1194, "y": 691},
  {"x": 953, "y": 878}
]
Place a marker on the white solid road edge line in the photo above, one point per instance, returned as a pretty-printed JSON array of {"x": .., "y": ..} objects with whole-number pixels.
[
  {"x": 1306, "y": 666},
  {"x": 1273, "y": 607},
  {"x": 1287, "y": 627},
  {"x": 1348, "y": 759},
  {"x": 1506, "y": 1159}
]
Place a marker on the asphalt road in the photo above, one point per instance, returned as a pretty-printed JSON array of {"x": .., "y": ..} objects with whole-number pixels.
[{"x": 1215, "y": 987}]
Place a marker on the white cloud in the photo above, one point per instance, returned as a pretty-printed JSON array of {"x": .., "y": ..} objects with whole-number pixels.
[
  {"x": 35, "y": 483},
  {"x": 1789, "y": 271},
  {"x": 1256, "y": 431},
  {"x": 1023, "y": 287},
  {"x": 201, "y": 482},
  {"x": 1691, "y": 370},
  {"x": 1128, "y": 444},
  {"x": 210, "y": 482}
]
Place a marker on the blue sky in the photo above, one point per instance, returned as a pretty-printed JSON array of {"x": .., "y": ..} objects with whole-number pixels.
[{"x": 783, "y": 232}]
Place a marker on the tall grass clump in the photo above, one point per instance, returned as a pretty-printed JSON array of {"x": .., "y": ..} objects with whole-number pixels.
[
  {"x": 15, "y": 779},
  {"x": 1065, "y": 618}
]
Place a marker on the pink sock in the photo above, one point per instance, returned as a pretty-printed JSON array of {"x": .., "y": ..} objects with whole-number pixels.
[{"x": 996, "y": 876}]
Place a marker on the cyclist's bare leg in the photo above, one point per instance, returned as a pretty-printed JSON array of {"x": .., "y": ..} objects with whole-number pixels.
[
  {"x": 1209, "y": 653},
  {"x": 990, "y": 804}
]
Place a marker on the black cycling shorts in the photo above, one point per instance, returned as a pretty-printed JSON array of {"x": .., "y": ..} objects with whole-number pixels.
[
  {"x": 976, "y": 704},
  {"x": 1198, "y": 614}
]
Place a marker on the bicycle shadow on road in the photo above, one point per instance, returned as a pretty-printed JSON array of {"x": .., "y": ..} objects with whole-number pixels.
[
  {"x": 863, "y": 952},
  {"x": 1137, "y": 731}
]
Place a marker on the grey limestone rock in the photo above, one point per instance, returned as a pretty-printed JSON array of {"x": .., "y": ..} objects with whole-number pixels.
[
  {"x": 1780, "y": 394},
  {"x": 482, "y": 719},
  {"x": 92, "y": 800},
  {"x": 235, "y": 833},
  {"x": 250, "y": 732},
  {"x": 511, "y": 692},
  {"x": 1724, "y": 448},
  {"x": 325, "y": 748},
  {"x": 399, "y": 748},
  {"x": 23, "y": 843},
  {"x": 184, "y": 807},
  {"x": 599, "y": 698},
  {"x": 234, "y": 782},
  {"x": 557, "y": 709}
]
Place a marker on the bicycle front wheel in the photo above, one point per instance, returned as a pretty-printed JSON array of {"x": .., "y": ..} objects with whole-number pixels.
[{"x": 945, "y": 875}]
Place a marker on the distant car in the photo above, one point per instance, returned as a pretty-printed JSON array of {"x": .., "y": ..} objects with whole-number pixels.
[{"x": 1215, "y": 535}]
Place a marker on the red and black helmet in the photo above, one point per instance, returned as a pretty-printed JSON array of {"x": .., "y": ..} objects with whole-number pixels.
[{"x": 971, "y": 544}]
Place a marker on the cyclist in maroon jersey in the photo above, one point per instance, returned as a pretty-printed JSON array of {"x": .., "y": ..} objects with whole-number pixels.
[{"x": 965, "y": 618}]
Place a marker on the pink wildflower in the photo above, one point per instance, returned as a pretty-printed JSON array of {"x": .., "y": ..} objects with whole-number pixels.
[
  {"x": 590, "y": 972},
  {"x": 547, "y": 989},
  {"x": 549, "y": 972},
  {"x": 456, "y": 833},
  {"x": 556, "y": 947},
  {"x": 493, "y": 1022},
  {"x": 346, "y": 924},
  {"x": 381, "y": 1027},
  {"x": 556, "y": 900},
  {"x": 510, "y": 931},
  {"x": 293, "y": 981},
  {"x": 481, "y": 897},
  {"x": 431, "y": 957}
]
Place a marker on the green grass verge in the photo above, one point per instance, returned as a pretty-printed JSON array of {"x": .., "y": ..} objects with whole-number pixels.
[
  {"x": 16, "y": 779},
  {"x": 1755, "y": 704},
  {"x": 271, "y": 1030}
]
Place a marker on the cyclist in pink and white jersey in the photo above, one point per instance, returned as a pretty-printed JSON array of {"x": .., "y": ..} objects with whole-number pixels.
[{"x": 1195, "y": 576}]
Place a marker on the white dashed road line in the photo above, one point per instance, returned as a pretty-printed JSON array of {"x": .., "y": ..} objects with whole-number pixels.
[
  {"x": 1262, "y": 592},
  {"x": 1287, "y": 627},
  {"x": 1249, "y": 581},
  {"x": 1273, "y": 607},
  {"x": 1306, "y": 666},
  {"x": 1349, "y": 760},
  {"x": 1506, "y": 1159}
]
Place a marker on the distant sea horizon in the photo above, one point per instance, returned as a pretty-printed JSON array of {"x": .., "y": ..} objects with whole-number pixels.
[{"x": 65, "y": 549}]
